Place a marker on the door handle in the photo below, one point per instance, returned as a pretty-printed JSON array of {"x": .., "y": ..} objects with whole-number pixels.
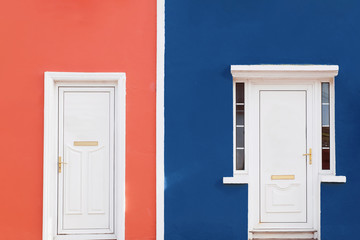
[
  {"x": 60, "y": 162},
  {"x": 310, "y": 156}
]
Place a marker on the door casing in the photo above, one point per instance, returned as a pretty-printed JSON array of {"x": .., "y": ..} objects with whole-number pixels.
[
  {"x": 53, "y": 80},
  {"x": 314, "y": 140}
]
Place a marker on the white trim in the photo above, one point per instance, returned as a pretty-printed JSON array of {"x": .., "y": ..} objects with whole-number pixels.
[
  {"x": 332, "y": 179},
  {"x": 284, "y": 234},
  {"x": 160, "y": 121},
  {"x": 237, "y": 179},
  {"x": 51, "y": 83},
  {"x": 86, "y": 237},
  {"x": 284, "y": 67},
  {"x": 284, "y": 71},
  {"x": 332, "y": 127}
]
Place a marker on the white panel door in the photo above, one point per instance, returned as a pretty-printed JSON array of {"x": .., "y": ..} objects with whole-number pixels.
[
  {"x": 86, "y": 146},
  {"x": 282, "y": 143}
]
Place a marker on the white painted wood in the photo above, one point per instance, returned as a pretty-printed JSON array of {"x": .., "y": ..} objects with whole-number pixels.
[
  {"x": 50, "y": 160},
  {"x": 317, "y": 143},
  {"x": 237, "y": 179},
  {"x": 284, "y": 71},
  {"x": 282, "y": 234},
  {"x": 333, "y": 179},
  {"x": 52, "y": 81},
  {"x": 284, "y": 67},
  {"x": 86, "y": 183},
  {"x": 282, "y": 145},
  {"x": 86, "y": 237},
  {"x": 332, "y": 128},
  {"x": 160, "y": 121}
]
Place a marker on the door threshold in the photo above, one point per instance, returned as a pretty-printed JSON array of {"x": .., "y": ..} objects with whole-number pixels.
[
  {"x": 283, "y": 230},
  {"x": 297, "y": 233},
  {"x": 86, "y": 237}
]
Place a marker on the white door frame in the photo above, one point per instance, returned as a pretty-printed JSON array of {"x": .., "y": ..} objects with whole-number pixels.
[
  {"x": 313, "y": 182},
  {"x": 254, "y": 185},
  {"x": 52, "y": 82}
]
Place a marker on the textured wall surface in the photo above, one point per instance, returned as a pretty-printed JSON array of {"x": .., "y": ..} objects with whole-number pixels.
[
  {"x": 79, "y": 36},
  {"x": 203, "y": 38}
]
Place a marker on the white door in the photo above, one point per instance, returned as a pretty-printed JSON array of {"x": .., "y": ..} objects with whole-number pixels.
[
  {"x": 284, "y": 136},
  {"x": 86, "y": 160}
]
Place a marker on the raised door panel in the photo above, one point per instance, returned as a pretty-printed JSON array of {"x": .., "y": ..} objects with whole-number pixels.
[
  {"x": 73, "y": 182},
  {"x": 98, "y": 180}
]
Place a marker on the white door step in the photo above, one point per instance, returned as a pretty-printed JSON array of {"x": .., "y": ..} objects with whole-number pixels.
[
  {"x": 285, "y": 238},
  {"x": 275, "y": 234}
]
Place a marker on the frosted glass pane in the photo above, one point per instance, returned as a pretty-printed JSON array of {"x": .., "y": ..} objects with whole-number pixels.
[
  {"x": 240, "y": 115},
  {"x": 325, "y": 137},
  {"x": 325, "y": 92},
  {"x": 325, "y": 120},
  {"x": 325, "y": 115},
  {"x": 239, "y": 92},
  {"x": 240, "y": 159},
  {"x": 239, "y": 137},
  {"x": 325, "y": 159}
]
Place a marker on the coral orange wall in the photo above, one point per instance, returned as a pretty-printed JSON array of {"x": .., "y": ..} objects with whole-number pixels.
[{"x": 73, "y": 35}]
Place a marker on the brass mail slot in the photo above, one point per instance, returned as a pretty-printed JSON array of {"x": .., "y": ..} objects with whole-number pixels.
[
  {"x": 282, "y": 177},
  {"x": 86, "y": 143}
]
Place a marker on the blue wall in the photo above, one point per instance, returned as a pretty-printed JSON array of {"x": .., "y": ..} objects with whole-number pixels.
[{"x": 203, "y": 38}]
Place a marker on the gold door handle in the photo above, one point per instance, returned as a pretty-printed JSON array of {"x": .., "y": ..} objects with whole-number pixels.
[
  {"x": 60, "y": 162},
  {"x": 310, "y": 156}
]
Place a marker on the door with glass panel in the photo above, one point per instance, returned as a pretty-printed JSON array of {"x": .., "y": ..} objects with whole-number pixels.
[{"x": 86, "y": 161}]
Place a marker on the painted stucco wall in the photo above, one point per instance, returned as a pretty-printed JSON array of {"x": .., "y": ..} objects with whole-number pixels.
[
  {"x": 79, "y": 36},
  {"x": 203, "y": 38}
]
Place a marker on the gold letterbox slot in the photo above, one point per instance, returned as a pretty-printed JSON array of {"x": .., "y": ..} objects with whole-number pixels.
[
  {"x": 282, "y": 177},
  {"x": 86, "y": 143}
]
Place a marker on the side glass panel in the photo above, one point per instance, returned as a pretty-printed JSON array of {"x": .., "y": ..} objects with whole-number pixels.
[
  {"x": 325, "y": 124},
  {"x": 240, "y": 130}
]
